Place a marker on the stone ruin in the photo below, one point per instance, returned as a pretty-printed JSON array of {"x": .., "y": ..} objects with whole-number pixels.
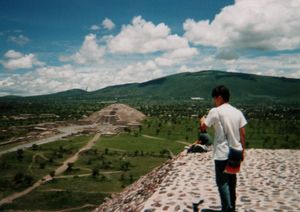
[{"x": 118, "y": 116}]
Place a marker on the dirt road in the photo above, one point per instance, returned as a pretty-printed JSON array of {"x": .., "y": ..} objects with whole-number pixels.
[{"x": 65, "y": 131}]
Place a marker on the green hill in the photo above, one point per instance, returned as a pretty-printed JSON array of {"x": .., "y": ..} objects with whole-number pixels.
[{"x": 183, "y": 86}]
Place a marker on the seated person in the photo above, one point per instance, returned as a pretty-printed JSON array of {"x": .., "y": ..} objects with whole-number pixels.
[{"x": 200, "y": 145}]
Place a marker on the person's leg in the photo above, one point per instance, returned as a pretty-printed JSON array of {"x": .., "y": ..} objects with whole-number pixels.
[
  {"x": 232, "y": 189},
  {"x": 222, "y": 180}
]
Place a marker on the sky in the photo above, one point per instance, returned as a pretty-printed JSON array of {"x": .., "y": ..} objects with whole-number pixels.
[{"x": 51, "y": 46}]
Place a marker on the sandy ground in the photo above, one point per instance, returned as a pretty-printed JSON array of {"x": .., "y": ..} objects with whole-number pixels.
[{"x": 268, "y": 181}]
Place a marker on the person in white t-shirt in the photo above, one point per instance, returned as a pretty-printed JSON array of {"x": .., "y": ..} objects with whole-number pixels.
[{"x": 228, "y": 123}]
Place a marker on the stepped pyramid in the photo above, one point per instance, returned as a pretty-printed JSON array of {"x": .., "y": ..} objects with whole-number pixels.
[{"x": 116, "y": 114}]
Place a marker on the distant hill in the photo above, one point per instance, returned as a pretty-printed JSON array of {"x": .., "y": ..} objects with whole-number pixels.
[{"x": 183, "y": 86}]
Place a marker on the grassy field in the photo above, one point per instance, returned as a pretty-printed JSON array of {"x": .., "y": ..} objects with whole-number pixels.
[{"x": 112, "y": 164}]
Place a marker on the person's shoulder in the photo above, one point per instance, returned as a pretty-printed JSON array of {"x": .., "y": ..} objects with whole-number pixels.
[
  {"x": 231, "y": 107},
  {"x": 213, "y": 110},
  {"x": 236, "y": 110}
]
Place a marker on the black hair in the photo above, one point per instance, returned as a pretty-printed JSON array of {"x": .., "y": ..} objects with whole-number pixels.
[{"x": 222, "y": 91}]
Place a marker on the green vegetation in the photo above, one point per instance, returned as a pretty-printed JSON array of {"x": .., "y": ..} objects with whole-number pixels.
[
  {"x": 22, "y": 168},
  {"x": 112, "y": 164}
]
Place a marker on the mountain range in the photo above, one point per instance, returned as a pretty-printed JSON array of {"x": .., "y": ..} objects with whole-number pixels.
[{"x": 183, "y": 86}]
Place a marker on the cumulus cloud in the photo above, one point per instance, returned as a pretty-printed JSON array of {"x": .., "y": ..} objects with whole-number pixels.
[
  {"x": 266, "y": 25},
  {"x": 20, "y": 39},
  {"x": 95, "y": 27},
  {"x": 12, "y": 54},
  {"x": 50, "y": 79},
  {"x": 139, "y": 72},
  {"x": 144, "y": 37},
  {"x": 108, "y": 24},
  {"x": 283, "y": 65},
  {"x": 176, "y": 56},
  {"x": 16, "y": 60},
  {"x": 89, "y": 52}
]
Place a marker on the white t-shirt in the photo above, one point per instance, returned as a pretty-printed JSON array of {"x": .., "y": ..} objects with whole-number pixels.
[{"x": 232, "y": 120}]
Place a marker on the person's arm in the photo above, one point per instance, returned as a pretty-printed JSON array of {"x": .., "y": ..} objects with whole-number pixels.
[
  {"x": 203, "y": 126},
  {"x": 243, "y": 139}
]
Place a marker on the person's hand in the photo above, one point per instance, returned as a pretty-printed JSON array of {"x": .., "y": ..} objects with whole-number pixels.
[{"x": 202, "y": 120}]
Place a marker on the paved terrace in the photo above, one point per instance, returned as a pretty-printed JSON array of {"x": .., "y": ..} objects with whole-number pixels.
[{"x": 269, "y": 181}]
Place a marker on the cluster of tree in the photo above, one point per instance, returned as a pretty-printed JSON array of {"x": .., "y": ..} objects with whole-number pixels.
[{"x": 269, "y": 126}]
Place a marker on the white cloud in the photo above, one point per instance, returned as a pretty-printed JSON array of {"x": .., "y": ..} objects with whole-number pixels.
[
  {"x": 20, "y": 39},
  {"x": 283, "y": 65},
  {"x": 176, "y": 56},
  {"x": 51, "y": 79},
  {"x": 138, "y": 72},
  {"x": 16, "y": 60},
  {"x": 108, "y": 24},
  {"x": 12, "y": 54},
  {"x": 89, "y": 52},
  {"x": 267, "y": 24},
  {"x": 95, "y": 27},
  {"x": 145, "y": 37}
]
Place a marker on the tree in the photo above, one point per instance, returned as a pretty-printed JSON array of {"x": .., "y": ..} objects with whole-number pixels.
[
  {"x": 163, "y": 152},
  {"x": 22, "y": 180},
  {"x": 122, "y": 176},
  {"x": 169, "y": 133},
  {"x": 20, "y": 154},
  {"x": 70, "y": 167},
  {"x": 125, "y": 166},
  {"x": 42, "y": 165},
  {"x": 157, "y": 131},
  {"x": 34, "y": 147},
  {"x": 186, "y": 137},
  {"x": 136, "y": 152},
  {"x": 95, "y": 172},
  {"x": 52, "y": 173},
  {"x": 131, "y": 178}
]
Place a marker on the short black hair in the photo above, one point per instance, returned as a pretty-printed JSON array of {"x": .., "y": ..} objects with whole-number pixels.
[{"x": 222, "y": 91}]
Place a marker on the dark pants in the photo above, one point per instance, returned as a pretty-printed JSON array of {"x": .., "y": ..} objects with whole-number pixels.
[{"x": 226, "y": 185}]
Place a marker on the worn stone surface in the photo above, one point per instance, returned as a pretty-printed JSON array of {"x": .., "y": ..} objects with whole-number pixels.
[{"x": 268, "y": 181}]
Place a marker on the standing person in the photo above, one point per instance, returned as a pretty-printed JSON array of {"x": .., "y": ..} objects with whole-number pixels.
[{"x": 228, "y": 123}]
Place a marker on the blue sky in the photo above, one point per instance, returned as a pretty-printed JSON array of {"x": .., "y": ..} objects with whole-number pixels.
[{"x": 51, "y": 46}]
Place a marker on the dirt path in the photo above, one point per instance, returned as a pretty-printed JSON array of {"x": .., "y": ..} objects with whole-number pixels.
[
  {"x": 84, "y": 175},
  {"x": 74, "y": 158},
  {"x": 183, "y": 142},
  {"x": 152, "y": 137},
  {"x": 34, "y": 160},
  {"x": 163, "y": 139},
  {"x": 47, "y": 178},
  {"x": 77, "y": 208}
]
